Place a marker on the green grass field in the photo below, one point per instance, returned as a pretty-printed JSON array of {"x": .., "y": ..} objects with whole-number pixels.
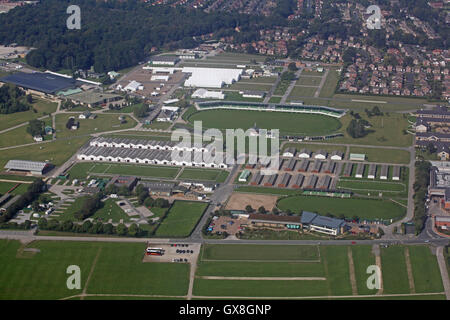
[
  {"x": 103, "y": 122},
  {"x": 371, "y": 185},
  {"x": 57, "y": 152},
  {"x": 330, "y": 84},
  {"x": 425, "y": 270},
  {"x": 308, "y": 81},
  {"x": 42, "y": 275},
  {"x": 362, "y": 258},
  {"x": 83, "y": 169},
  {"x": 6, "y": 186},
  {"x": 288, "y": 123},
  {"x": 395, "y": 277},
  {"x": 383, "y": 155},
  {"x": 314, "y": 147},
  {"x": 228, "y": 252},
  {"x": 15, "y": 137},
  {"x": 363, "y": 208},
  {"x": 41, "y": 106},
  {"x": 204, "y": 174},
  {"x": 300, "y": 92},
  {"x": 181, "y": 219}
]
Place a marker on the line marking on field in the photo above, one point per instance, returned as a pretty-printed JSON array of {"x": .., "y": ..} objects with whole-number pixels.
[
  {"x": 376, "y": 250},
  {"x": 94, "y": 263},
  {"x": 368, "y": 101},
  {"x": 264, "y": 278},
  {"x": 351, "y": 268},
  {"x": 412, "y": 287}
]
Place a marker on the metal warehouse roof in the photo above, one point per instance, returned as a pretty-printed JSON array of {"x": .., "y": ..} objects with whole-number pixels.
[
  {"x": 43, "y": 82},
  {"x": 315, "y": 219},
  {"x": 26, "y": 165}
]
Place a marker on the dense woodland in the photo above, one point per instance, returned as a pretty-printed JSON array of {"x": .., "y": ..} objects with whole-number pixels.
[
  {"x": 13, "y": 99},
  {"x": 114, "y": 35}
]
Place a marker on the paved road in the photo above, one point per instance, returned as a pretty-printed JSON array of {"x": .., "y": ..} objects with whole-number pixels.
[{"x": 291, "y": 86}]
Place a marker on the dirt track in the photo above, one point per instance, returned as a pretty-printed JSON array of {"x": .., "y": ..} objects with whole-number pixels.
[{"x": 238, "y": 201}]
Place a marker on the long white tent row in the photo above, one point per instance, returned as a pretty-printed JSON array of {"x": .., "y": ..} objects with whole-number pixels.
[
  {"x": 151, "y": 156},
  {"x": 145, "y": 144}
]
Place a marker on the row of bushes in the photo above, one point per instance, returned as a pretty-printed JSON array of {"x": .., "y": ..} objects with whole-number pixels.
[
  {"x": 420, "y": 193},
  {"x": 92, "y": 228}
]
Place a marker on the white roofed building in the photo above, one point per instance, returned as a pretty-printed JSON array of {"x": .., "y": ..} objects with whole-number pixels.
[
  {"x": 211, "y": 77},
  {"x": 206, "y": 94}
]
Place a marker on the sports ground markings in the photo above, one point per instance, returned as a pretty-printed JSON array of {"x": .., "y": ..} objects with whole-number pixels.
[
  {"x": 94, "y": 263},
  {"x": 351, "y": 268},
  {"x": 263, "y": 278},
  {"x": 235, "y": 260},
  {"x": 412, "y": 287}
]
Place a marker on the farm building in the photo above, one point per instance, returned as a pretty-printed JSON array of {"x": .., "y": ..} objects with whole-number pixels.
[
  {"x": 337, "y": 155},
  {"x": 348, "y": 169},
  {"x": 31, "y": 167},
  {"x": 256, "y": 180},
  {"x": 384, "y": 172},
  {"x": 159, "y": 188},
  {"x": 303, "y": 166},
  {"x": 442, "y": 222},
  {"x": 330, "y": 166},
  {"x": 284, "y": 180},
  {"x": 165, "y": 60},
  {"x": 357, "y": 157},
  {"x": 93, "y": 98},
  {"x": 211, "y": 77},
  {"x": 359, "y": 170},
  {"x": 396, "y": 173},
  {"x": 274, "y": 221},
  {"x": 324, "y": 182},
  {"x": 315, "y": 222},
  {"x": 298, "y": 181},
  {"x": 40, "y": 83},
  {"x": 304, "y": 153},
  {"x": 289, "y": 152},
  {"x": 311, "y": 182},
  {"x": 289, "y": 165},
  {"x": 133, "y": 86},
  {"x": 269, "y": 180},
  {"x": 207, "y": 94},
  {"x": 316, "y": 166},
  {"x": 321, "y": 155},
  {"x": 123, "y": 181},
  {"x": 244, "y": 176},
  {"x": 252, "y": 94},
  {"x": 372, "y": 171}
]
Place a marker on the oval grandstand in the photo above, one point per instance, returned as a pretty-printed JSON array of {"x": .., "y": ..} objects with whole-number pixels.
[{"x": 238, "y": 105}]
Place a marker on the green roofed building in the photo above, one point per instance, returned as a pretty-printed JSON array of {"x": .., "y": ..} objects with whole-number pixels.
[
  {"x": 357, "y": 157},
  {"x": 244, "y": 176}
]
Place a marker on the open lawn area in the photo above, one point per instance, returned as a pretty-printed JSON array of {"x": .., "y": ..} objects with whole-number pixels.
[
  {"x": 42, "y": 107},
  {"x": 83, "y": 169},
  {"x": 42, "y": 275},
  {"x": 387, "y": 131},
  {"x": 363, "y": 208},
  {"x": 383, "y": 155},
  {"x": 204, "y": 174},
  {"x": 57, "y": 152},
  {"x": 308, "y": 81},
  {"x": 181, "y": 219},
  {"x": 330, "y": 84},
  {"x": 15, "y": 137},
  {"x": 7, "y": 186},
  {"x": 299, "y": 92},
  {"x": 288, "y": 123},
  {"x": 247, "y": 252},
  {"x": 251, "y": 86},
  {"x": 368, "y": 185},
  {"x": 314, "y": 147},
  {"x": 425, "y": 269},
  {"x": 103, "y": 122}
]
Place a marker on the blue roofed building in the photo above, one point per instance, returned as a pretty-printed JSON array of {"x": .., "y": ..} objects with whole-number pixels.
[
  {"x": 315, "y": 222},
  {"x": 40, "y": 83}
]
